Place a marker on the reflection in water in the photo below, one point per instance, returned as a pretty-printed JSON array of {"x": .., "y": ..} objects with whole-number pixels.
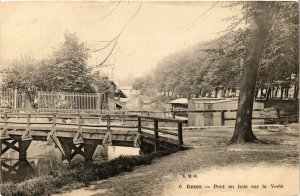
[
  {"x": 17, "y": 171},
  {"x": 116, "y": 151}
]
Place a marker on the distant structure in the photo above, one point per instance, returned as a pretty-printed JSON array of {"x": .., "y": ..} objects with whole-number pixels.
[
  {"x": 179, "y": 104},
  {"x": 214, "y": 118},
  {"x": 117, "y": 101}
]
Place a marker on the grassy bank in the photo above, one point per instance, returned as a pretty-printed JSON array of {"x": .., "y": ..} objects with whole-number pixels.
[{"x": 77, "y": 174}]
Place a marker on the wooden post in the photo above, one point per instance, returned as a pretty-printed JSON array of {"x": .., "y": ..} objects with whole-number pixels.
[
  {"x": 156, "y": 136},
  {"x": 38, "y": 100},
  {"x": 78, "y": 139},
  {"x": 123, "y": 113},
  {"x": 15, "y": 98},
  {"x": 99, "y": 119},
  {"x": 108, "y": 123},
  {"x": 27, "y": 134},
  {"x": 89, "y": 150},
  {"x": 54, "y": 122},
  {"x": 180, "y": 138},
  {"x": 222, "y": 118},
  {"x": 3, "y": 133},
  {"x": 173, "y": 114},
  {"x": 278, "y": 115},
  {"x": 79, "y": 122},
  {"x": 139, "y": 125}
]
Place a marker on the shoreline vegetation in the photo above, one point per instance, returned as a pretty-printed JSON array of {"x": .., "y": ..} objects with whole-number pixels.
[{"x": 77, "y": 175}]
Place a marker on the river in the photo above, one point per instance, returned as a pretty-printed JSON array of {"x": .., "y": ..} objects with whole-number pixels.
[{"x": 43, "y": 157}]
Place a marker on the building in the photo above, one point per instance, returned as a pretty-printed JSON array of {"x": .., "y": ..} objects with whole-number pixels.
[
  {"x": 117, "y": 100},
  {"x": 179, "y": 104},
  {"x": 214, "y": 118}
]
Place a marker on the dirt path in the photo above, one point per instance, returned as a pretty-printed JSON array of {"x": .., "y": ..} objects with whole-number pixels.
[{"x": 210, "y": 161}]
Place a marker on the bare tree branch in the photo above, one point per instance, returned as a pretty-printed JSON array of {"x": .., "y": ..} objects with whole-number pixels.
[
  {"x": 108, "y": 44},
  {"x": 194, "y": 22},
  {"x": 111, "y": 11},
  {"x": 228, "y": 31},
  {"x": 116, "y": 39}
]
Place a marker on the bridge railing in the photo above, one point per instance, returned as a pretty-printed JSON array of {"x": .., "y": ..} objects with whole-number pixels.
[
  {"x": 53, "y": 121},
  {"x": 160, "y": 130}
]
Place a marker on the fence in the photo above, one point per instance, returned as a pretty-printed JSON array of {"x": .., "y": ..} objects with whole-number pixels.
[
  {"x": 12, "y": 99},
  {"x": 64, "y": 100},
  {"x": 53, "y": 100}
]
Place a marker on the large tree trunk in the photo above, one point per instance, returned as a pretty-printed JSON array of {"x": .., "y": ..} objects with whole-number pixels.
[{"x": 254, "y": 49}]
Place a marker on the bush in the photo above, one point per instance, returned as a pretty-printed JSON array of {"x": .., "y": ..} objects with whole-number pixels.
[{"x": 77, "y": 173}]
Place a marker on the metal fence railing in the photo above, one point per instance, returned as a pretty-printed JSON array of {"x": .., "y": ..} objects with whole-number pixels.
[{"x": 14, "y": 99}]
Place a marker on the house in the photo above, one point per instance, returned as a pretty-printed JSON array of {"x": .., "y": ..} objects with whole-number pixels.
[{"x": 117, "y": 100}]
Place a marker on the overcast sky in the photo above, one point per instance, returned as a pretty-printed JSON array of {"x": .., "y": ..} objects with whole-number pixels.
[{"x": 157, "y": 30}]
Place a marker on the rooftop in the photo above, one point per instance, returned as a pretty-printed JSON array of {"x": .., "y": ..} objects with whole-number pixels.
[{"x": 180, "y": 100}]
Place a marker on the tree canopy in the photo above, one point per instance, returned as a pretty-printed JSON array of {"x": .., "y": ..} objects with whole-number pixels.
[
  {"x": 217, "y": 64},
  {"x": 65, "y": 70}
]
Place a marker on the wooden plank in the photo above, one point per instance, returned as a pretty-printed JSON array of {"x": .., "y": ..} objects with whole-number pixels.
[{"x": 163, "y": 119}]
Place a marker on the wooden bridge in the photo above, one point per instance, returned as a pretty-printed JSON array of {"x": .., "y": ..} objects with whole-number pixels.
[{"x": 81, "y": 133}]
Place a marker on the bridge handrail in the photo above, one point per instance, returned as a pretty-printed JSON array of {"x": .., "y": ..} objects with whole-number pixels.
[{"x": 163, "y": 119}]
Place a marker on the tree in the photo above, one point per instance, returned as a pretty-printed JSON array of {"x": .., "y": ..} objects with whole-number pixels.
[
  {"x": 67, "y": 69},
  {"x": 263, "y": 17},
  {"x": 24, "y": 75}
]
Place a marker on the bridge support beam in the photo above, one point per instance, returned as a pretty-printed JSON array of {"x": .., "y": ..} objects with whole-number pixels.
[
  {"x": 89, "y": 150},
  {"x": 86, "y": 149},
  {"x": 22, "y": 148}
]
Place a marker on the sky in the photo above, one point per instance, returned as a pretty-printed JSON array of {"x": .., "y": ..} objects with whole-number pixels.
[{"x": 158, "y": 29}]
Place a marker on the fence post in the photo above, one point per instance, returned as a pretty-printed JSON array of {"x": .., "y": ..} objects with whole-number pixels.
[
  {"x": 39, "y": 100},
  {"x": 180, "y": 138},
  {"x": 156, "y": 136},
  {"x": 78, "y": 139},
  {"x": 108, "y": 123},
  {"x": 222, "y": 118},
  {"x": 15, "y": 98},
  {"x": 278, "y": 115},
  {"x": 139, "y": 125},
  {"x": 54, "y": 122},
  {"x": 27, "y": 134},
  {"x": 173, "y": 114}
]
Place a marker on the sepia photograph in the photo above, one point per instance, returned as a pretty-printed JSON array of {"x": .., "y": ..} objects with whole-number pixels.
[{"x": 149, "y": 98}]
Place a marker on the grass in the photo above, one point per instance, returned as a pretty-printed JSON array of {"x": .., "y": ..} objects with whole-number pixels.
[{"x": 77, "y": 174}]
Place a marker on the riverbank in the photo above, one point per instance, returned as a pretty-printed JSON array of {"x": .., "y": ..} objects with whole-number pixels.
[
  {"x": 76, "y": 175},
  {"x": 213, "y": 161}
]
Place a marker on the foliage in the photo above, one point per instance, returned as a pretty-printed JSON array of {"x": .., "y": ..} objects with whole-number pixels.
[
  {"x": 67, "y": 70},
  {"x": 102, "y": 84},
  {"x": 25, "y": 75},
  {"x": 218, "y": 64}
]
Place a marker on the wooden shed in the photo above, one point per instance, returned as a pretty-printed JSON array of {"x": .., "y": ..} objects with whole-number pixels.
[{"x": 214, "y": 118}]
